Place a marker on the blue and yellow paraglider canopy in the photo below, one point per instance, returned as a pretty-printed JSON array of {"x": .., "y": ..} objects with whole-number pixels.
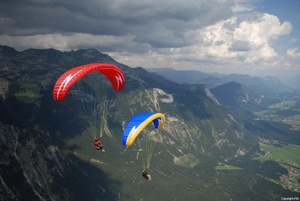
[{"x": 140, "y": 121}]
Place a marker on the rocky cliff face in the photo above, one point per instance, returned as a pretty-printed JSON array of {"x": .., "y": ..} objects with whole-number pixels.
[
  {"x": 29, "y": 165},
  {"x": 32, "y": 167}
]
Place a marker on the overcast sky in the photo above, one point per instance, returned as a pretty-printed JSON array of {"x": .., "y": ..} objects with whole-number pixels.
[{"x": 243, "y": 36}]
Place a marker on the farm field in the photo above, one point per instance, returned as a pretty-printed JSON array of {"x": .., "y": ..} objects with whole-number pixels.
[{"x": 279, "y": 151}]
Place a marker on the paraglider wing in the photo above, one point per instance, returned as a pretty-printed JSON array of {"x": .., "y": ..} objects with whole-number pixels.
[
  {"x": 138, "y": 122},
  {"x": 69, "y": 78}
]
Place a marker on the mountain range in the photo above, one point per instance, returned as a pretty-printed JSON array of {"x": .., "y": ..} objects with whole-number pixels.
[
  {"x": 265, "y": 84},
  {"x": 206, "y": 150}
]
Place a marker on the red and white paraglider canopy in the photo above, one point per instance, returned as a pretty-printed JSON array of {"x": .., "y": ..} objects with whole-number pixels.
[{"x": 70, "y": 77}]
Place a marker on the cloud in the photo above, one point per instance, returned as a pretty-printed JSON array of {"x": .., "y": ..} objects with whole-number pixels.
[
  {"x": 248, "y": 41},
  {"x": 225, "y": 44},
  {"x": 157, "y": 23},
  {"x": 294, "y": 53},
  {"x": 75, "y": 41},
  {"x": 242, "y": 6},
  {"x": 294, "y": 40}
]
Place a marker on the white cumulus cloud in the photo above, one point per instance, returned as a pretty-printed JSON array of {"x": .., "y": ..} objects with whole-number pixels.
[{"x": 248, "y": 41}]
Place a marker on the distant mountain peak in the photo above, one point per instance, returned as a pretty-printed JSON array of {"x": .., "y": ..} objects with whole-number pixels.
[{"x": 234, "y": 94}]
